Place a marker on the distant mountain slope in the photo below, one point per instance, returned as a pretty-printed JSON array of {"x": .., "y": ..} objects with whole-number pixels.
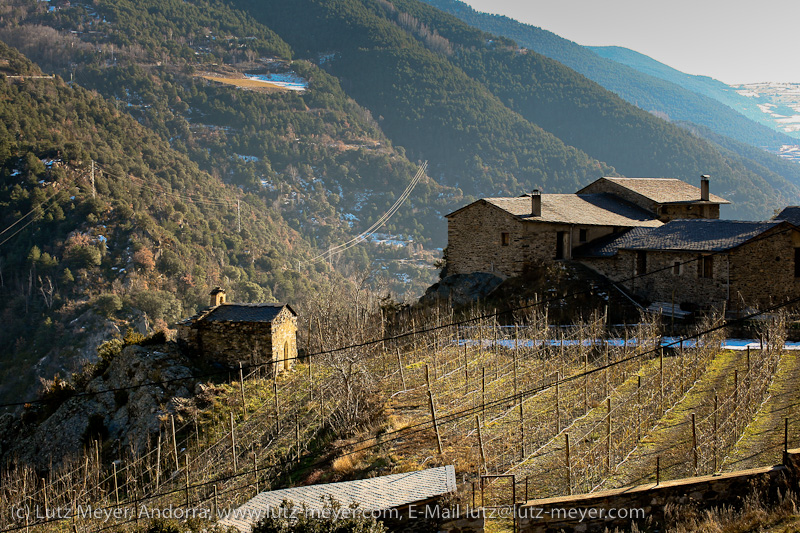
[
  {"x": 704, "y": 85},
  {"x": 397, "y": 66},
  {"x": 447, "y": 97},
  {"x": 674, "y": 95}
]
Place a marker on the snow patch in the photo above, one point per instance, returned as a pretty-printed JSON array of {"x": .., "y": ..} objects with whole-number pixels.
[{"x": 287, "y": 80}]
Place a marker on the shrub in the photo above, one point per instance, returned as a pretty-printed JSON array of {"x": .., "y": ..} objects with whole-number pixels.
[
  {"x": 332, "y": 518},
  {"x": 108, "y": 304}
]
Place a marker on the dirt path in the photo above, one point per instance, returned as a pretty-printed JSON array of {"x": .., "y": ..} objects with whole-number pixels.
[
  {"x": 762, "y": 441},
  {"x": 671, "y": 440}
]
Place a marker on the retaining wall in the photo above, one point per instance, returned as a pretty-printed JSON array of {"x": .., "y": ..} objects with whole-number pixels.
[{"x": 645, "y": 504}]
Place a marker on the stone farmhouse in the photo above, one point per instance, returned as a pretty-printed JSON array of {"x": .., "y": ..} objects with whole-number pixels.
[
  {"x": 252, "y": 334},
  {"x": 661, "y": 239}
]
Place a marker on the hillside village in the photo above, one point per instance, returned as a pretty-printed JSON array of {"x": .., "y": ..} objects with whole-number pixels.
[
  {"x": 217, "y": 220},
  {"x": 660, "y": 239}
]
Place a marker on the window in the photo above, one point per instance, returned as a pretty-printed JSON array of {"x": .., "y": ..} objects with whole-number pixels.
[
  {"x": 505, "y": 238},
  {"x": 582, "y": 235},
  {"x": 677, "y": 268},
  {"x": 641, "y": 263},
  {"x": 705, "y": 266}
]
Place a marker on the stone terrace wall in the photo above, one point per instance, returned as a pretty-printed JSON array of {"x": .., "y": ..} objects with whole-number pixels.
[{"x": 564, "y": 513}]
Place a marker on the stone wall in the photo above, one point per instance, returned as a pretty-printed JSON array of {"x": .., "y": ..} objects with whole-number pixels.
[
  {"x": 233, "y": 342},
  {"x": 620, "y": 508},
  {"x": 762, "y": 272},
  {"x": 474, "y": 241},
  {"x": 687, "y": 286},
  {"x": 675, "y": 211},
  {"x": 284, "y": 340},
  {"x": 756, "y": 274}
]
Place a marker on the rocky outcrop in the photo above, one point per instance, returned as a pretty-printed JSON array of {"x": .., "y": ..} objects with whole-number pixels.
[
  {"x": 462, "y": 289},
  {"x": 125, "y": 417}
]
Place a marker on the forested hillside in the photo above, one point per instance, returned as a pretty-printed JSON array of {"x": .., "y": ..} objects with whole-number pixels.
[
  {"x": 206, "y": 172},
  {"x": 141, "y": 238},
  {"x": 459, "y": 84},
  {"x": 646, "y": 84}
]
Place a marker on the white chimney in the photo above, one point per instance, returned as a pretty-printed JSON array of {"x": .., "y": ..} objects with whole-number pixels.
[
  {"x": 704, "y": 193},
  {"x": 536, "y": 203}
]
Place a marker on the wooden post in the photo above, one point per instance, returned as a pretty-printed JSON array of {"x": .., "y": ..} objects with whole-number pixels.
[
  {"x": 466, "y": 370},
  {"x": 608, "y": 434},
  {"x": 241, "y": 389},
  {"x": 585, "y": 382},
  {"x": 638, "y": 408},
  {"x": 473, "y": 495},
  {"x": 216, "y": 505},
  {"x": 716, "y": 407},
  {"x": 400, "y": 366},
  {"x": 158, "y": 461},
  {"x": 480, "y": 445},
  {"x": 297, "y": 436},
  {"x": 255, "y": 470},
  {"x": 658, "y": 470},
  {"x": 233, "y": 444},
  {"x": 44, "y": 493},
  {"x": 661, "y": 379},
  {"x": 483, "y": 392},
  {"x": 522, "y": 430},
  {"x": 495, "y": 333},
  {"x": 186, "y": 462},
  {"x": 433, "y": 410},
  {"x": 558, "y": 403},
  {"x": 569, "y": 464},
  {"x": 311, "y": 373},
  {"x": 748, "y": 365},
  {"x": 785, "y": 439},
  {"x": 174, "y": 443},
  {"x": 694, "y": 443},
  {"x": 116, "y": 485},
  {"x": 277, "y": 408}
]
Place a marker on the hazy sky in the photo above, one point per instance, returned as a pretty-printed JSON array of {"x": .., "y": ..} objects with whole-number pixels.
[{"x": 731, "y": 40}]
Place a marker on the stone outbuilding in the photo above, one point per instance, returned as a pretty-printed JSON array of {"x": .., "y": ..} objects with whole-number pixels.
[
  {"x": 252, "y": 334},
  {"x": 699, "y": 262},
  {"x": 506, "y": 235}
]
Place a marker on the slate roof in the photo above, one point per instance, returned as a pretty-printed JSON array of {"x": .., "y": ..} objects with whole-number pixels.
[
  {"x": 377, "y": 493},
  {"x": 234, "y": 312},
  {"x": 664, "y": 190},
  {"x": 790, "y": 214},
  {"x": 696, "y": 235},
  {"x": 583, "y": 209},
  {"x": 245, "y": 312}
]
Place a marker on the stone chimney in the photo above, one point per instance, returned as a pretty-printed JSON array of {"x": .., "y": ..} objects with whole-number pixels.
[
  {"x": 217, "y": 296},
  {"x": 704, "y": 193},
  {"x": 536, "y": 203}
]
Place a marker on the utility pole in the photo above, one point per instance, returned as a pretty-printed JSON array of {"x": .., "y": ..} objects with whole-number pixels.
[{"x": 239, "y": 216}]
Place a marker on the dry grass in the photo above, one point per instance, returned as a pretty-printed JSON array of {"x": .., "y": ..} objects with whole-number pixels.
[
  {"x": 755, "y": 515},
  {"x": 246, "y": 83}
]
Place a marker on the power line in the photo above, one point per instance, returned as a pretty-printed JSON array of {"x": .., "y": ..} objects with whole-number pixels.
[
  {"x": 378, "y": 223},
  {"x": 392, "y": 337}
]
